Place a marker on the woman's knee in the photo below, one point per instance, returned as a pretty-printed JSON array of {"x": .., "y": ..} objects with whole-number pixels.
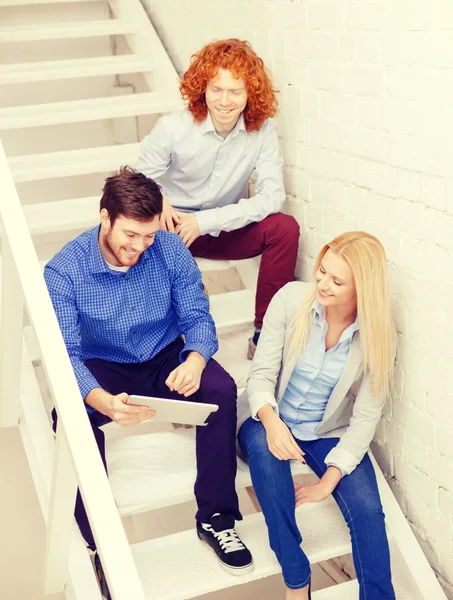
[
  {"x": 252, "y": 439},
  {"x": 361, "y": 498}
]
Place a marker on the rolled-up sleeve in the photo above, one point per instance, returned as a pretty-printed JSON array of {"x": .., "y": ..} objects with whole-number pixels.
[{"x": 267, "y": 362}]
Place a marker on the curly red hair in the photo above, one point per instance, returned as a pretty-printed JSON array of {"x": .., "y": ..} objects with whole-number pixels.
[{"x": 238, "y": 57}]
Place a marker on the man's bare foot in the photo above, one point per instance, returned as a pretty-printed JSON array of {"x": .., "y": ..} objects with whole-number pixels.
[{"x": 301, "y": 594}]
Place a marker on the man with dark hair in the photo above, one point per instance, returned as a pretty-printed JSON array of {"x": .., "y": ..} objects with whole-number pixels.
[
  {"x": 124, "y": 293},
  {"x": 203, "y": 157}
]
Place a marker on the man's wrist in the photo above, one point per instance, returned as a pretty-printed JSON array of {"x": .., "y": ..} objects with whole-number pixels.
[
  {"x": 100, "y": 400},
  {"x": 195, "y": 357}
]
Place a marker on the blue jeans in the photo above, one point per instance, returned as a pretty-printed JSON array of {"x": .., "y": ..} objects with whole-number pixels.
[{"x": 357, "y": 496}]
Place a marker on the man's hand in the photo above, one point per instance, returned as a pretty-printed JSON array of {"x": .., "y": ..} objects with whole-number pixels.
[
  {"x": 280, "y": 440},
  {"x": 169, "y": 216},
  {"x": 185, "y": 379},
  {"x": 187, "y": 228},
  {"x": 117, "y": 408}
]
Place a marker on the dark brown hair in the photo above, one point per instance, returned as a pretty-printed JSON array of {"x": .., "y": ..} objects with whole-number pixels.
[{"x": 131, "y": 194}]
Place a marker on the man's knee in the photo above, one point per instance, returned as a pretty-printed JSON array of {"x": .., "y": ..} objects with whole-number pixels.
[
  {"x": 284, "y": 226},
  {"x": 218, "y": 385}
]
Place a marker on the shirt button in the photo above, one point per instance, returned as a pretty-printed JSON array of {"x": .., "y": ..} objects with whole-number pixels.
[
  {"x": 127, "y": 277},
  {"x": 132, "y": 308},
  {"x": 134, "y": 332}
]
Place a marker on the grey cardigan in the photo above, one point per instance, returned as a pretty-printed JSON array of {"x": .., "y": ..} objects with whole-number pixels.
[{"x": 351, "y": 414}]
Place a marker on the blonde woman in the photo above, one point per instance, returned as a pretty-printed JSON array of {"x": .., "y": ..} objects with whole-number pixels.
[{"x": 316, "y": 389}]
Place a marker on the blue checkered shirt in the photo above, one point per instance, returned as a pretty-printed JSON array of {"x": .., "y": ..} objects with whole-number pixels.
[{"x": 128, "y": 317}]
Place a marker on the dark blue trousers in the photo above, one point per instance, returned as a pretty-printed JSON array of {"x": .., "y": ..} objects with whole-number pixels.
[{"x": 215, "y": 443}]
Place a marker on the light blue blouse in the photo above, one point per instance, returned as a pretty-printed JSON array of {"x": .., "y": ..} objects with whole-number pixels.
[{"x": 314, "y": 377}]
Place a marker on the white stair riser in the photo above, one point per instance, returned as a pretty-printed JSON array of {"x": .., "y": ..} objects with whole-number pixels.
[
  {"x": 78, "y": 111},
  {"x": 71, "y": 69},
  {"x": 61, "y": 31},
  {"x": 72, "y": 162}
]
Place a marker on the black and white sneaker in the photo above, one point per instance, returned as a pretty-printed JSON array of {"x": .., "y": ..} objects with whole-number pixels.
[
  {"x": 219, "y": 535},
  {"x": 101, "y": 578}
]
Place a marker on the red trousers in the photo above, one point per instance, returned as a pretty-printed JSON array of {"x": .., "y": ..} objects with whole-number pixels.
[{"x": 276, "y": 238}]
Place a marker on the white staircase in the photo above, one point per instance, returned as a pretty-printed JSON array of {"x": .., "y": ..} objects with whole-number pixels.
[{"x": 149, "y": 471}]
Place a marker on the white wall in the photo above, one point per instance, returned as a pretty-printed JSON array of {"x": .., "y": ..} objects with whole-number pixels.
[{"x": 366, "y": 123}]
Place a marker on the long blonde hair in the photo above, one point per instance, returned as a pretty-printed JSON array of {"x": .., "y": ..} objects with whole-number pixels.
[{"x": 366, "y": 256}]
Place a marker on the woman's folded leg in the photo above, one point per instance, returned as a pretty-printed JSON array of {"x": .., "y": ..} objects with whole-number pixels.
[{"x": 274, "y": 487}]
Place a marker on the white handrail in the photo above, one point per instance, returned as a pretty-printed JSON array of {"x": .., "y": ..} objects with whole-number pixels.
[{"x": 112, "y": 544}]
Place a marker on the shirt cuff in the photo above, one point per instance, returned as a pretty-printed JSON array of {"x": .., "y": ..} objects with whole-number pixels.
[
  {"x": 260, "y": 399},
  {"x": 85, "y": 387},
  {"x": 203, "y": 349},
  {"x": 207, "y": 221},
  {"x": 339, "y": 456}
]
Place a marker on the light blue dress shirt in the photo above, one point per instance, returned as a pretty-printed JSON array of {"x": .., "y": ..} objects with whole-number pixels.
[
  {"x": 314, "y": 377},
  {"x": 201, "y": 171},
  {"x": 128, "y": 317}
]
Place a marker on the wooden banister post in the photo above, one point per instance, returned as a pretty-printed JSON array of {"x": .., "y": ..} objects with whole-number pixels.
[
  {"x": 61, "y": 516},
  {"x": 11, "y": 331}
]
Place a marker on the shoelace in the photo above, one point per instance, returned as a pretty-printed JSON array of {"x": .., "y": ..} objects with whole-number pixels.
[{"x": 228, "y": 539}]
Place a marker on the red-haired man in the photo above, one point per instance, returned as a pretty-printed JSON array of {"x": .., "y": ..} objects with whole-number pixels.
[{"x": 203, "y": 157}]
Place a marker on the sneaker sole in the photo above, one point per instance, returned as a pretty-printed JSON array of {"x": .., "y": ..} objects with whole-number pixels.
[{"x": 236, "y": 571}]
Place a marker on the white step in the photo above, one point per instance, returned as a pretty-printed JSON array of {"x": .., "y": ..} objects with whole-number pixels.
[
  {"x": 232, "y": 354},
  {"x": 64, "y": 215},
  {"x": 72, "y": 162},
  {"x": 344, "y": 591},
  {"x": 34, "y": 2},
  {"x": 61, "y": 31},
  {"x": 350, "y": 591},
  {"x": 233, "y": 309},
  {"x": 72, "y": 68},
  {"x": 93, "y": 109},
  {"x": 206, "y": 265},
  {"x": 160, "y": 561},
  {"x": 154, "y": 470}
]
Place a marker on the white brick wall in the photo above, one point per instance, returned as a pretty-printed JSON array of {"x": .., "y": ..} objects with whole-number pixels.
[{"x": 366, "y": 123}]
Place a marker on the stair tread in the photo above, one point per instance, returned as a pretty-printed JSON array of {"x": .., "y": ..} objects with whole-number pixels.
[
  {"x": 63, "y": 215},
  {"x": 158, "y": 469},
  {"x": 206, "y": 264},
  {"x": 350, "y": 591},
  {"x": 72, "y": 162},
  {"x": 33, "y": 2},
  {"x": 85, "y": 110},
  {"x": 72, "y": 68},
  {"x": 233, "y": 309},
  {"x": 324, "y": 533},
  {"x": 342, "y": 591},
  {"x": 64, "y": 30}
]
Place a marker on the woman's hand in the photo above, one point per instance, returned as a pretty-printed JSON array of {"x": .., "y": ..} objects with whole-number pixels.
[
  {"x": 317, "y": 492},
  {"x": 280, "y": 440}
]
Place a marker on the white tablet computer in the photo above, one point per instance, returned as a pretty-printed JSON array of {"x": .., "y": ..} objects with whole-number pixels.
[{"x": 176, "y": 411}]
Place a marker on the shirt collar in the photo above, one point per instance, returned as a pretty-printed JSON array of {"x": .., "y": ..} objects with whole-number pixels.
[
  {"x": 207, "y": 125},
  {"x": 320, "y": 313},
  {"x": 97, "y": 262}
]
